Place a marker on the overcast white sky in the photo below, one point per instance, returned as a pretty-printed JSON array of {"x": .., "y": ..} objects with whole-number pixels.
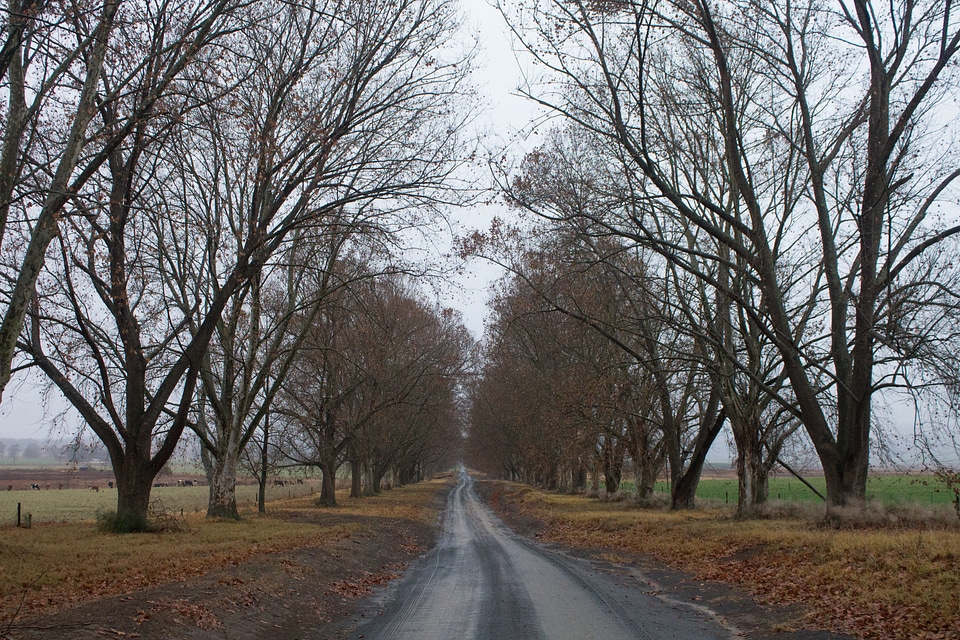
[{"x": 506, "y": 118}]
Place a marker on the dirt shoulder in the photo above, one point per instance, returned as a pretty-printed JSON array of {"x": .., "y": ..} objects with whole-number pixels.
[{"x": 313, "y": 591}]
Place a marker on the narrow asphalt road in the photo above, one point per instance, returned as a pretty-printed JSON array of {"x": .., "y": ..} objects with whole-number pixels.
[{"x": 482, "y": 581}]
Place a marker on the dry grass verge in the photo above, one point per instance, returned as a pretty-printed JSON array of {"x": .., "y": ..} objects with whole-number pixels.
[
  {"x": 50, "y": 567},
  {"x": 872, "y": 582}
]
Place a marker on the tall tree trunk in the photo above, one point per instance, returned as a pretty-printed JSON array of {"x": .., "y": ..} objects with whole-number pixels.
[
  {"x": 646, "y": 478},
  {"x": 134, "y": 482},
  {"x": 580, "y": 482},
  {"x": 207, "y": 461},
  {"x": 648, "y": 456},
  {"x": 356, "y": 478},
  {"x": 368, "y": 479},
  {"x": 612, "y": 466},
  {"x": 553, "y": 477},
  {"x": 684, "y": 494},
  {"x": 264, "y": 466},
  {"x": 222, "y": 502},
  {"x": 328, "y": 485},
  {"x": 752, "y": 479}
]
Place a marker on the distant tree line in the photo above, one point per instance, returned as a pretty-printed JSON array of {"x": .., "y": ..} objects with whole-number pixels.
[
  {"x": 19, "y": 449},
  {"x": 31, "y": 449}
]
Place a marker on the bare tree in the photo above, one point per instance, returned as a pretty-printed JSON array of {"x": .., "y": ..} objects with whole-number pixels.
[
  {"x": 781, "y": 83},
  {"x": 315, "y": 430},
  {"x": 251, "y": 353},
  {"x": 569, "y": 185},
  {"x": 526, "y": 417},
  {"x": 266, "y": 138},
  {"x": 142, "y": 90},
  {"x": 78, "y": 69},
  {"x": 415, "y": 371},
  {"x": 583, "y": 396},
  {"x": 377, "y": 376},
  {"x": 253, "y": 348}
]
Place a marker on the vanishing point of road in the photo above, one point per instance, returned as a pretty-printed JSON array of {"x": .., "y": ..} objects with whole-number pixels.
[{"x": 484, "y": 582}]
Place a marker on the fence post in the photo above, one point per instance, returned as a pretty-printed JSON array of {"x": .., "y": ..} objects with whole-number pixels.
[{"x": 18, "y": 514}]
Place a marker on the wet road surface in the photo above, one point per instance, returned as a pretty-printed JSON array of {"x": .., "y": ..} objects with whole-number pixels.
[{"x": 484, "y": 582}]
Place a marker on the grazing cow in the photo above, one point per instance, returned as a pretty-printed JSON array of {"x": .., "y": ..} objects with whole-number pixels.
[
  {"x": 60, "y": 486},
  {"x": 299, "y": 481},
  {"x": 110, "y": 484},
  {"x": 188, "y": 483},
  {"x": 9, "y": 487},
  {"x": 34, "y": 485},
  {"x": 47, "y": 486},
  {"x": 278, "y": 483},
  {"x": 159, "y": 484},
  {"x": 95, "y": 487}
]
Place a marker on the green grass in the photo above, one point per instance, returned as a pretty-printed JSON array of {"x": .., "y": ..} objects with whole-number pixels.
[
  {"x": 70, "y": 505},
  {"x": 888, "y": 490}
]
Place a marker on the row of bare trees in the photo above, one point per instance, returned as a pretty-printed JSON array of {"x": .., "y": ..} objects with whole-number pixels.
[
  {"x": 593, "y": 358},
  {"x": 785, "y": 174},
  {"x": 179, "y": 185},
  {"x": 377, "y": 385}
]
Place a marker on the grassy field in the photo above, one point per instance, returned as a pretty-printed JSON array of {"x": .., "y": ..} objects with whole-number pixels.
[
  {"x": 890, "y": 490},
  {"x": 44, "y": 566},
  {"x": 29, "y": 463},
  {"x": 871, "y": 581},
  {"x": 71, "y": 505}
]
